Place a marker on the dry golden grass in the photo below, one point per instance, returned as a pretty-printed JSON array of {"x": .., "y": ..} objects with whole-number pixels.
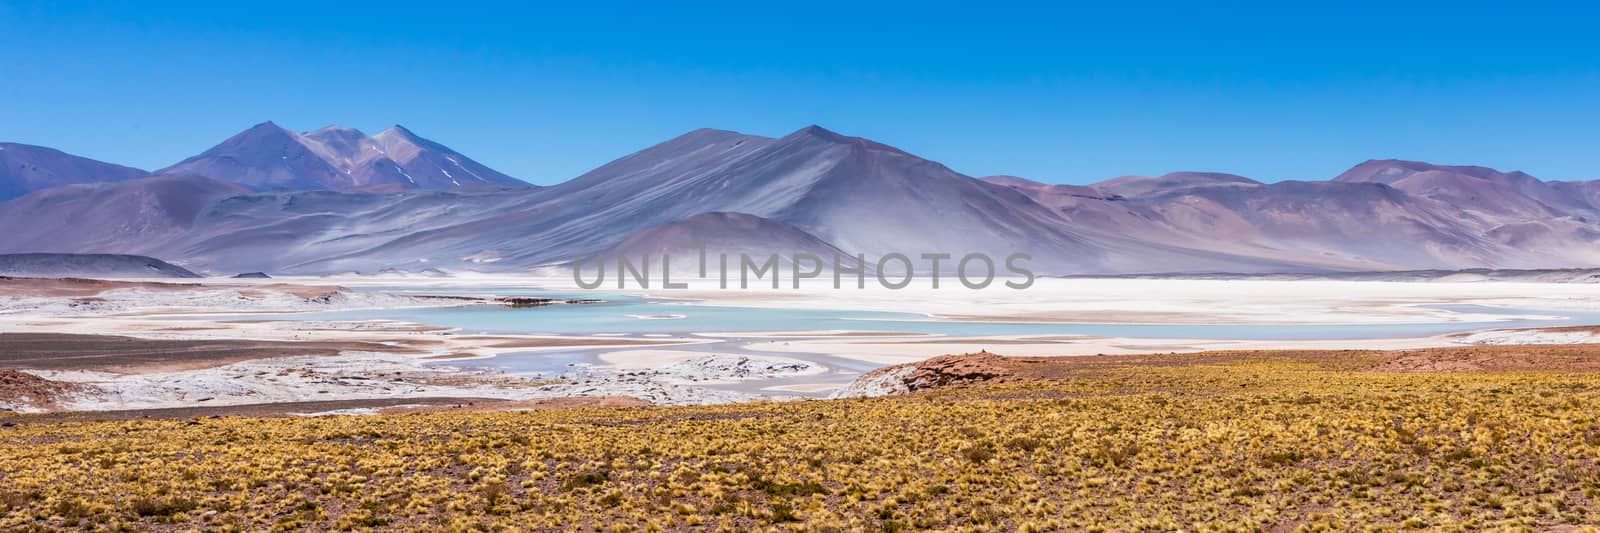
[{"x": 1208, "y": 445}]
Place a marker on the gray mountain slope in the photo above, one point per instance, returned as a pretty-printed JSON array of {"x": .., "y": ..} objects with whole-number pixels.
[
  {"x": 1379, "y": 215},
  {"x": 27, "y": 168},
  {"x": 141, "y": 216},
  {"x": 265, "y": 157},
  {"x": 1140, "y": 186},
  {"x": 859, "y": 195},
  {"x": 330, "y": 231},
  {"x": 735, "y": 236},
  {"x": 44, "y": 265},
  {"x": 1474, "y": 190},
  {"x": 434, "y": 166}
]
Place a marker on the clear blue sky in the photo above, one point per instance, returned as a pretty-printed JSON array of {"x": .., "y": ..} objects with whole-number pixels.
[{"x": 1060, "y": 93}]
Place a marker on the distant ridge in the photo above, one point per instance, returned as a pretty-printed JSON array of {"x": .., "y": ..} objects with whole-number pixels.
[
  {"x": 26, "y": 168},
  {"x": 46, "y": 265}
]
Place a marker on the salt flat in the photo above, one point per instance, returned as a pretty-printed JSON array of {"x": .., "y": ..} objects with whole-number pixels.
[
  {"x": 1156, "y": 301},
  {"x": 705, "y": 364}
]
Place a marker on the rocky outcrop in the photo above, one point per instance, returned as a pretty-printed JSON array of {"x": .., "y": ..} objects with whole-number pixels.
[
  {"x": 27, "y": 393},
  {"x": 938, "y": 372}
]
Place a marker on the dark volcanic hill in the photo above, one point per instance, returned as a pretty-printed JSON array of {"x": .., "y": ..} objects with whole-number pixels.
[
  {"x": 268, "y": 157},
  {"x": 89, "y": 266},
  {"x": 26, "y": 168}
]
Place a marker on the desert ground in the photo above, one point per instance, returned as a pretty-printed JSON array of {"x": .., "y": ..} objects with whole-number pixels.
[
  {"x": 1465, "y": 438},
  {"x": 229, "y": 405}
]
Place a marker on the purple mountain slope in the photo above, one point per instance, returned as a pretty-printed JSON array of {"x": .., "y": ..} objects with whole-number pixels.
[
  {"x": 1580, "y": 193},
  {"x": 434, "y": 166},
  {"x": 1176, "y": 181},
  {"x": 1535, "y": 222},
  {"x": 730, "y": 234},
  {"x": 267, "y": 157},
  {"x": 1475, "y": 190},
  {"x": 1378, "y": 215},
  {"x": 858, "y": 195},
  {"x": 26, "y": 168},
  {"x": 138, "y": 216},
  {"x": 46, "y": 265},
  {"x": 848, "y": 193}
]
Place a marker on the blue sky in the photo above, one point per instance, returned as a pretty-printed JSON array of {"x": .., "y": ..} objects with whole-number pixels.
[{"x": 1057, "y": 92}]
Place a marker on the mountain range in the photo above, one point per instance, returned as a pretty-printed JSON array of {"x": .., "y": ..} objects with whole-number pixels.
[{"x": 337, "y": 200}]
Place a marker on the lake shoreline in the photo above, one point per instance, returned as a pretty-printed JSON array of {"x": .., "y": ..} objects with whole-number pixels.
[{"x": 242, "y": 343}]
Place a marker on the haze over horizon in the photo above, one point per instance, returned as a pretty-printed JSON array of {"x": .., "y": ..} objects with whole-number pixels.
[{"x": 1055, "y": 94}]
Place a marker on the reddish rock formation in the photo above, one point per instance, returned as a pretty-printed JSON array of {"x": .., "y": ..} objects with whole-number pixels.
[
  {"x": 942, "y": 371},
  {"x": 21, "y": 391}
]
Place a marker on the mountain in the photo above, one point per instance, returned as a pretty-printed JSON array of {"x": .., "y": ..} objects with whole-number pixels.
[
  {"x": 264, "y": 157},
  {"x": 221, "y": 227},
  {"x": 855, "y": 194},
  {"x": 1535, "y": 220},
  {"x": 26, "y": 168},
  {"x": 1578, "y": 192},
  {"x": 858, "y": 195},
  {"x": 1477, "y": 191},
  {"x": 731, "y": 234},
  {"x": 1176, "y": 181},
  {"x": 136, "y": 216},
  {"x": 322, "y": 232},
  {"x": 1343, "y": 226},
  {"x": 431, "y": 165},
  {"x": 268, "y": 157},
  {"x": 1379, "y": 215},
  {"x": 812, "y": 189},
  {"x": 89, "y": 266}
]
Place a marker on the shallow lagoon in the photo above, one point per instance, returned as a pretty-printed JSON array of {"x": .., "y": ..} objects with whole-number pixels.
[
  {"x": 620, "y": 314},
  {"x": 634, "y": 316}
]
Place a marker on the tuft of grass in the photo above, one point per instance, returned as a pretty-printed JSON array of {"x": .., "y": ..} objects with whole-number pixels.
[{"x": 163, "y": 507}]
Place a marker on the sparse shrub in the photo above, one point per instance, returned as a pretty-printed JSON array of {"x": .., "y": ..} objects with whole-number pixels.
[
  {"x": 162, "y": 506},
  {"x": 1215, "y": 447},
  {"x": 588, "y": 479}
]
